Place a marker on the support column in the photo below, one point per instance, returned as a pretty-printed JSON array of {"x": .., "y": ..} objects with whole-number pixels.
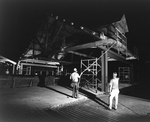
[
  {"x": 104, "y": 71},
  {"x": 131, "y": 74},
  {"x": 21, "y": 69},
  {"x": 13, "y": 71}
]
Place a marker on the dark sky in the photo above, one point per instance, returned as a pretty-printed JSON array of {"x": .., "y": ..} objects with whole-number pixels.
[{"x": 20, "y": 20}]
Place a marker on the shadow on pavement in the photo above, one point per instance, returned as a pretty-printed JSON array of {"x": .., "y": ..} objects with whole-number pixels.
[
  {"x": 140, "y": 90},
  {"x": 87, "y": 94},
  {"x": 66, "y": 83},
  {"x": 58, "y": 91},
  {"x": 94, "y": 98}
]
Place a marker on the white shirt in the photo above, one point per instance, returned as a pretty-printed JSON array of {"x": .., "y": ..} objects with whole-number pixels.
[
  {"x": 114, "y": 83},
  {"x": 74, "y": 77}
]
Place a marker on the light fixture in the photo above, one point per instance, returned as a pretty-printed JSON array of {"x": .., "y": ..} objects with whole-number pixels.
[
  {"x": 94, "y": 33},
  {"x": 82, "y": 27}
]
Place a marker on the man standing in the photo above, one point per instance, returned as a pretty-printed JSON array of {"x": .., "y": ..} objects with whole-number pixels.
[
  {"x": 75, "y": 82},
  {"x": 114, "y": 90}
]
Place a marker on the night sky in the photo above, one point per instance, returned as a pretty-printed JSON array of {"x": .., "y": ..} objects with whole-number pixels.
[{"x": 20, "y": 20}]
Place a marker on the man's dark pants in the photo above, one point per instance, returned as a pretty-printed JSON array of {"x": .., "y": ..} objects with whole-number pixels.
[{"x": 75, "y": 90}]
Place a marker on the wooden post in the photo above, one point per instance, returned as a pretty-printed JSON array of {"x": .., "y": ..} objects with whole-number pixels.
[
  {"x": 131, "y": 74},
  {"x": 13, "y": 72},
  {"x": 104, "y": 72}
]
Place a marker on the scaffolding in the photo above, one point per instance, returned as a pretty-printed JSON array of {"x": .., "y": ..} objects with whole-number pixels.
[
  {"x": 124, "y": 74},
  {"x": 90, "y": 78},
  {"x": 90, "y": 71}
]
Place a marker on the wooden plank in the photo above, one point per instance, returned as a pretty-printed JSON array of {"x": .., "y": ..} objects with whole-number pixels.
[
  {"x": 39, "y": 65},
  {"x": 84, "y": 46},
  {"x": 81, "y": 54},
  {"x": 104, "y": 42}
]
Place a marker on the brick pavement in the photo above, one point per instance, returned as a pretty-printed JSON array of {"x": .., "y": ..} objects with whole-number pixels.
[{"x": 20, "y": 101}]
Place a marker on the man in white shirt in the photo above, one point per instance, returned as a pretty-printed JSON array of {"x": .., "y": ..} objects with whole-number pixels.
[
  {"x": 75, "y": 83},
  {"x": 114, "y": 90}
]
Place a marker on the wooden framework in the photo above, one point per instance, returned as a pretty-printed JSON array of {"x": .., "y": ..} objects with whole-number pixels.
[{"x": 91, "y": 77}]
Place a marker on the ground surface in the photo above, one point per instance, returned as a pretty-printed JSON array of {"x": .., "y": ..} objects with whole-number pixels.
[{"x": 55, "y": 104}]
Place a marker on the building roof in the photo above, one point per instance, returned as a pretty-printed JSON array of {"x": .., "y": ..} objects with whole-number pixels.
[{"x": 4, "y": 59}]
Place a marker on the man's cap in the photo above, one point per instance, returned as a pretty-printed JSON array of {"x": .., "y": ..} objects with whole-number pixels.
[{"x": 75, "y": 69}]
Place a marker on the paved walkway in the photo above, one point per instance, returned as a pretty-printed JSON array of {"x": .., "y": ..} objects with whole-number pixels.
[{"x": 17, "y": 101}]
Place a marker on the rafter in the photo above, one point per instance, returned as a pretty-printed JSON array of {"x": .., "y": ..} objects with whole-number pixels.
[
  {"x": 84, "y": 46},
  {"x": 81, "y": 54},
  {"x": 91, "y": 45}
]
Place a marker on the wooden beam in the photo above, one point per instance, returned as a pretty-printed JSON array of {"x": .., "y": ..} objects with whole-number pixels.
[
  {"x": 103, "y": 42},
  {"x": 81, "y": 54},
  {"x": 6, "y": 59},
  {"x": 84, "y": 46},
  {"x": 39, "y": 65},
  {"x": 115, "y": 55}
]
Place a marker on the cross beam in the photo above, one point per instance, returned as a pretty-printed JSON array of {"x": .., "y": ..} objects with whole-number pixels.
[
  {"x": 100, "y": 44},
  {"x": 81, "y": 54},
  {"x": 115, "y": 55},
  {"x": 91, "y": 45},
  {"x": 103, "y": 42}
]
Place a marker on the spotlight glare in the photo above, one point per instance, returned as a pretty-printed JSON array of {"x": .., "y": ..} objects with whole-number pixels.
[
  {"x": 82, "y": 27},
  {"x": 89, "y": 70},
  {"x": 94, "y": 33}
]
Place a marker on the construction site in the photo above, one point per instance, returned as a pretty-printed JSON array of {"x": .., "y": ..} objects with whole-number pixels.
[
  {"x": 61, "y": 45},
  {"x": 40, "y": 82}
]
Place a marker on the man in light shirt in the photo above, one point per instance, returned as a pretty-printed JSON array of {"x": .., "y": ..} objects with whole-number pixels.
[
  {"x": 114, "y": 90},
  {"x": 75, "y": 83}
]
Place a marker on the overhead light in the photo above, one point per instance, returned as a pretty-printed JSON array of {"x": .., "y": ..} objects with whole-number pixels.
[
  {"x": 111, "y": 59},
  {"x": 72, "y": 23},
  {"x": 82, "y": 27},
  {"x": 53, "y": 63},
  {"x": 93, "y": 47},
  {"x": 94, "y": 33},
  {"x": 130, "y": 58}
]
